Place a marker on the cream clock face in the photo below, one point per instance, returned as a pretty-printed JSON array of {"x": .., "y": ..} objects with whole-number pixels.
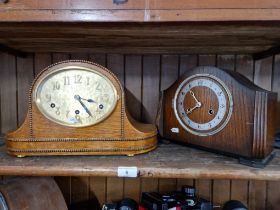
[
  {"x": 203, "y": 104},
  {"x": 75, "y": 96}
]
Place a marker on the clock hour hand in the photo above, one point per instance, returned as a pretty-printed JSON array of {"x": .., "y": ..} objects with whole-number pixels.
[
  {"x": 78, "y": 98},
  {"x": 189, "y": 110},
  {"x": 89, "y": 100}
]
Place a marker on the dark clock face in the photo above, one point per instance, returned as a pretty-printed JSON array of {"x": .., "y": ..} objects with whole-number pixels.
[{"x": 203, "y": 104}]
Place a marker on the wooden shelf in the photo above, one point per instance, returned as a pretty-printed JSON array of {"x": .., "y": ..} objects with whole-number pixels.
[
  {"x": 165, "y": 162},
  {"x": 139, "y": 11},
  {"x": 142, "y": 38}
]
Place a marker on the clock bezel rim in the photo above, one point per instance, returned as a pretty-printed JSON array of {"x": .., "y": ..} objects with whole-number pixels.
[
  {"x": 230, "y": 99},
  {"x": 47, "y": 74}
]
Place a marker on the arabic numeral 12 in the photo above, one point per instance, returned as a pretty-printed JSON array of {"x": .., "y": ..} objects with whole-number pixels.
[{"x": 78, "y": 79}]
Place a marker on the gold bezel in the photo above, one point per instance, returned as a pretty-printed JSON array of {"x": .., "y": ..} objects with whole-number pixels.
[{"x": 46, "y": 75}]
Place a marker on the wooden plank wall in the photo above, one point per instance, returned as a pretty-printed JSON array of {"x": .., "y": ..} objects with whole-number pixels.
[{"x": 143, "y": 76}]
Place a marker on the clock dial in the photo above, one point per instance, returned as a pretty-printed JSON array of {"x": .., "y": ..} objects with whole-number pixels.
[
  {"x": 75, "y": 96},
  {"x": 203, "y": 104}
]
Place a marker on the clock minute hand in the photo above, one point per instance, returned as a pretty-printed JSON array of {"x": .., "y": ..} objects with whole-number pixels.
[
  {"x": 78, "y": 98},
  {"x": 192, "y": 93}
]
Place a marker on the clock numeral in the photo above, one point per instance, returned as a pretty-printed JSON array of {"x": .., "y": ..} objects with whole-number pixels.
[
  {"x": 66, "y": 80},
  {"x": 78, "y": 118},
  {"x": 56, "y": 85},
  {"x": 98, "y": 86},
  {"x": 220, "y": 93},
  {"x": 210, "y": 125},
  {"x": 57, "y": 111},
  {"x": 48, "y": 97},
  {"x": 200, "y": 82},
  {"x": 222, "y": 106},
  {"x": 88, "y": 80},
  {"x": 189, "y": 122},
  {"x": 105, "y": 98},
  {"x": 98, "y": 111},
  {"x": 78, "y": 79},
  {"x": 67, "y": 113}
]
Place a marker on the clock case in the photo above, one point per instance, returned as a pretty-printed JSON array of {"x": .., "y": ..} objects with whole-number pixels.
[
  {"x": 118, "y": 134},
  {"x": 249, "y": 134}
]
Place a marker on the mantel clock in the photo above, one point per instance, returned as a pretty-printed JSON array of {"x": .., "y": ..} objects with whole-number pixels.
[
  {"x": 78, "y": 108},
  {"x": 222, "y": 111}
]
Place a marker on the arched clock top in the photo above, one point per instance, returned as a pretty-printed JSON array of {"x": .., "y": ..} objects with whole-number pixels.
[
  {"x": 220, "y": 110},
  {"x": 78, "y": 108}
]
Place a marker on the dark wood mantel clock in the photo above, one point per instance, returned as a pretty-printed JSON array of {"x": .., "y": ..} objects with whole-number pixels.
[
  {"x": 78, "y": 108},
  {"x": 222, "y": 111}
]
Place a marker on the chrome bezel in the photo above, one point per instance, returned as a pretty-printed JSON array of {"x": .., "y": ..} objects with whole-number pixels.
[{"x": 230, "y": 109}]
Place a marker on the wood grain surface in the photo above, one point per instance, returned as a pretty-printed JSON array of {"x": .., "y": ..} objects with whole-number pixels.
[
  {"x": 137, "y": 5},
  {"x": 139, "y": 38},
  {"x": 33, "y": 193},
  {"x": 98, "y": 188},
  {"x": 140, "y": 15},
  {"x": 203, "y": 165}
]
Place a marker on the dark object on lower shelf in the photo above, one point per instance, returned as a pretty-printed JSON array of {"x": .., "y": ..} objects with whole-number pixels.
[
  {"x": 125, "y": 204},
  {"x": 257, "y": 163},
  {"x": 234, "y": 205},
  {"x": 186, "y": 199},
  {"x": 32, "y": 193}
]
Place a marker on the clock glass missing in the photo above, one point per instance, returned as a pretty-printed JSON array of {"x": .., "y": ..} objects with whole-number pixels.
[
  {"x": 75, "y": 96},
  {"x": 203, "y": 104}
]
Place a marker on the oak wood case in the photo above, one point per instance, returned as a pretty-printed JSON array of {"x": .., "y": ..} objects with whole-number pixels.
[
  {"x": 117, "y": 134},
  {"x": 250, "y": 130}
]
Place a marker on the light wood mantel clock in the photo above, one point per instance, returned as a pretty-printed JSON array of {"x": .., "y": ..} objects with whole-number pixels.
[{"x": 78, "y": 108}]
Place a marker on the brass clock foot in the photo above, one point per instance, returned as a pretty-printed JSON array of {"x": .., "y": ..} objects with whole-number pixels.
[
  {"x": 20, "y": 156},
  {"x": 130, "y": 155}
]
